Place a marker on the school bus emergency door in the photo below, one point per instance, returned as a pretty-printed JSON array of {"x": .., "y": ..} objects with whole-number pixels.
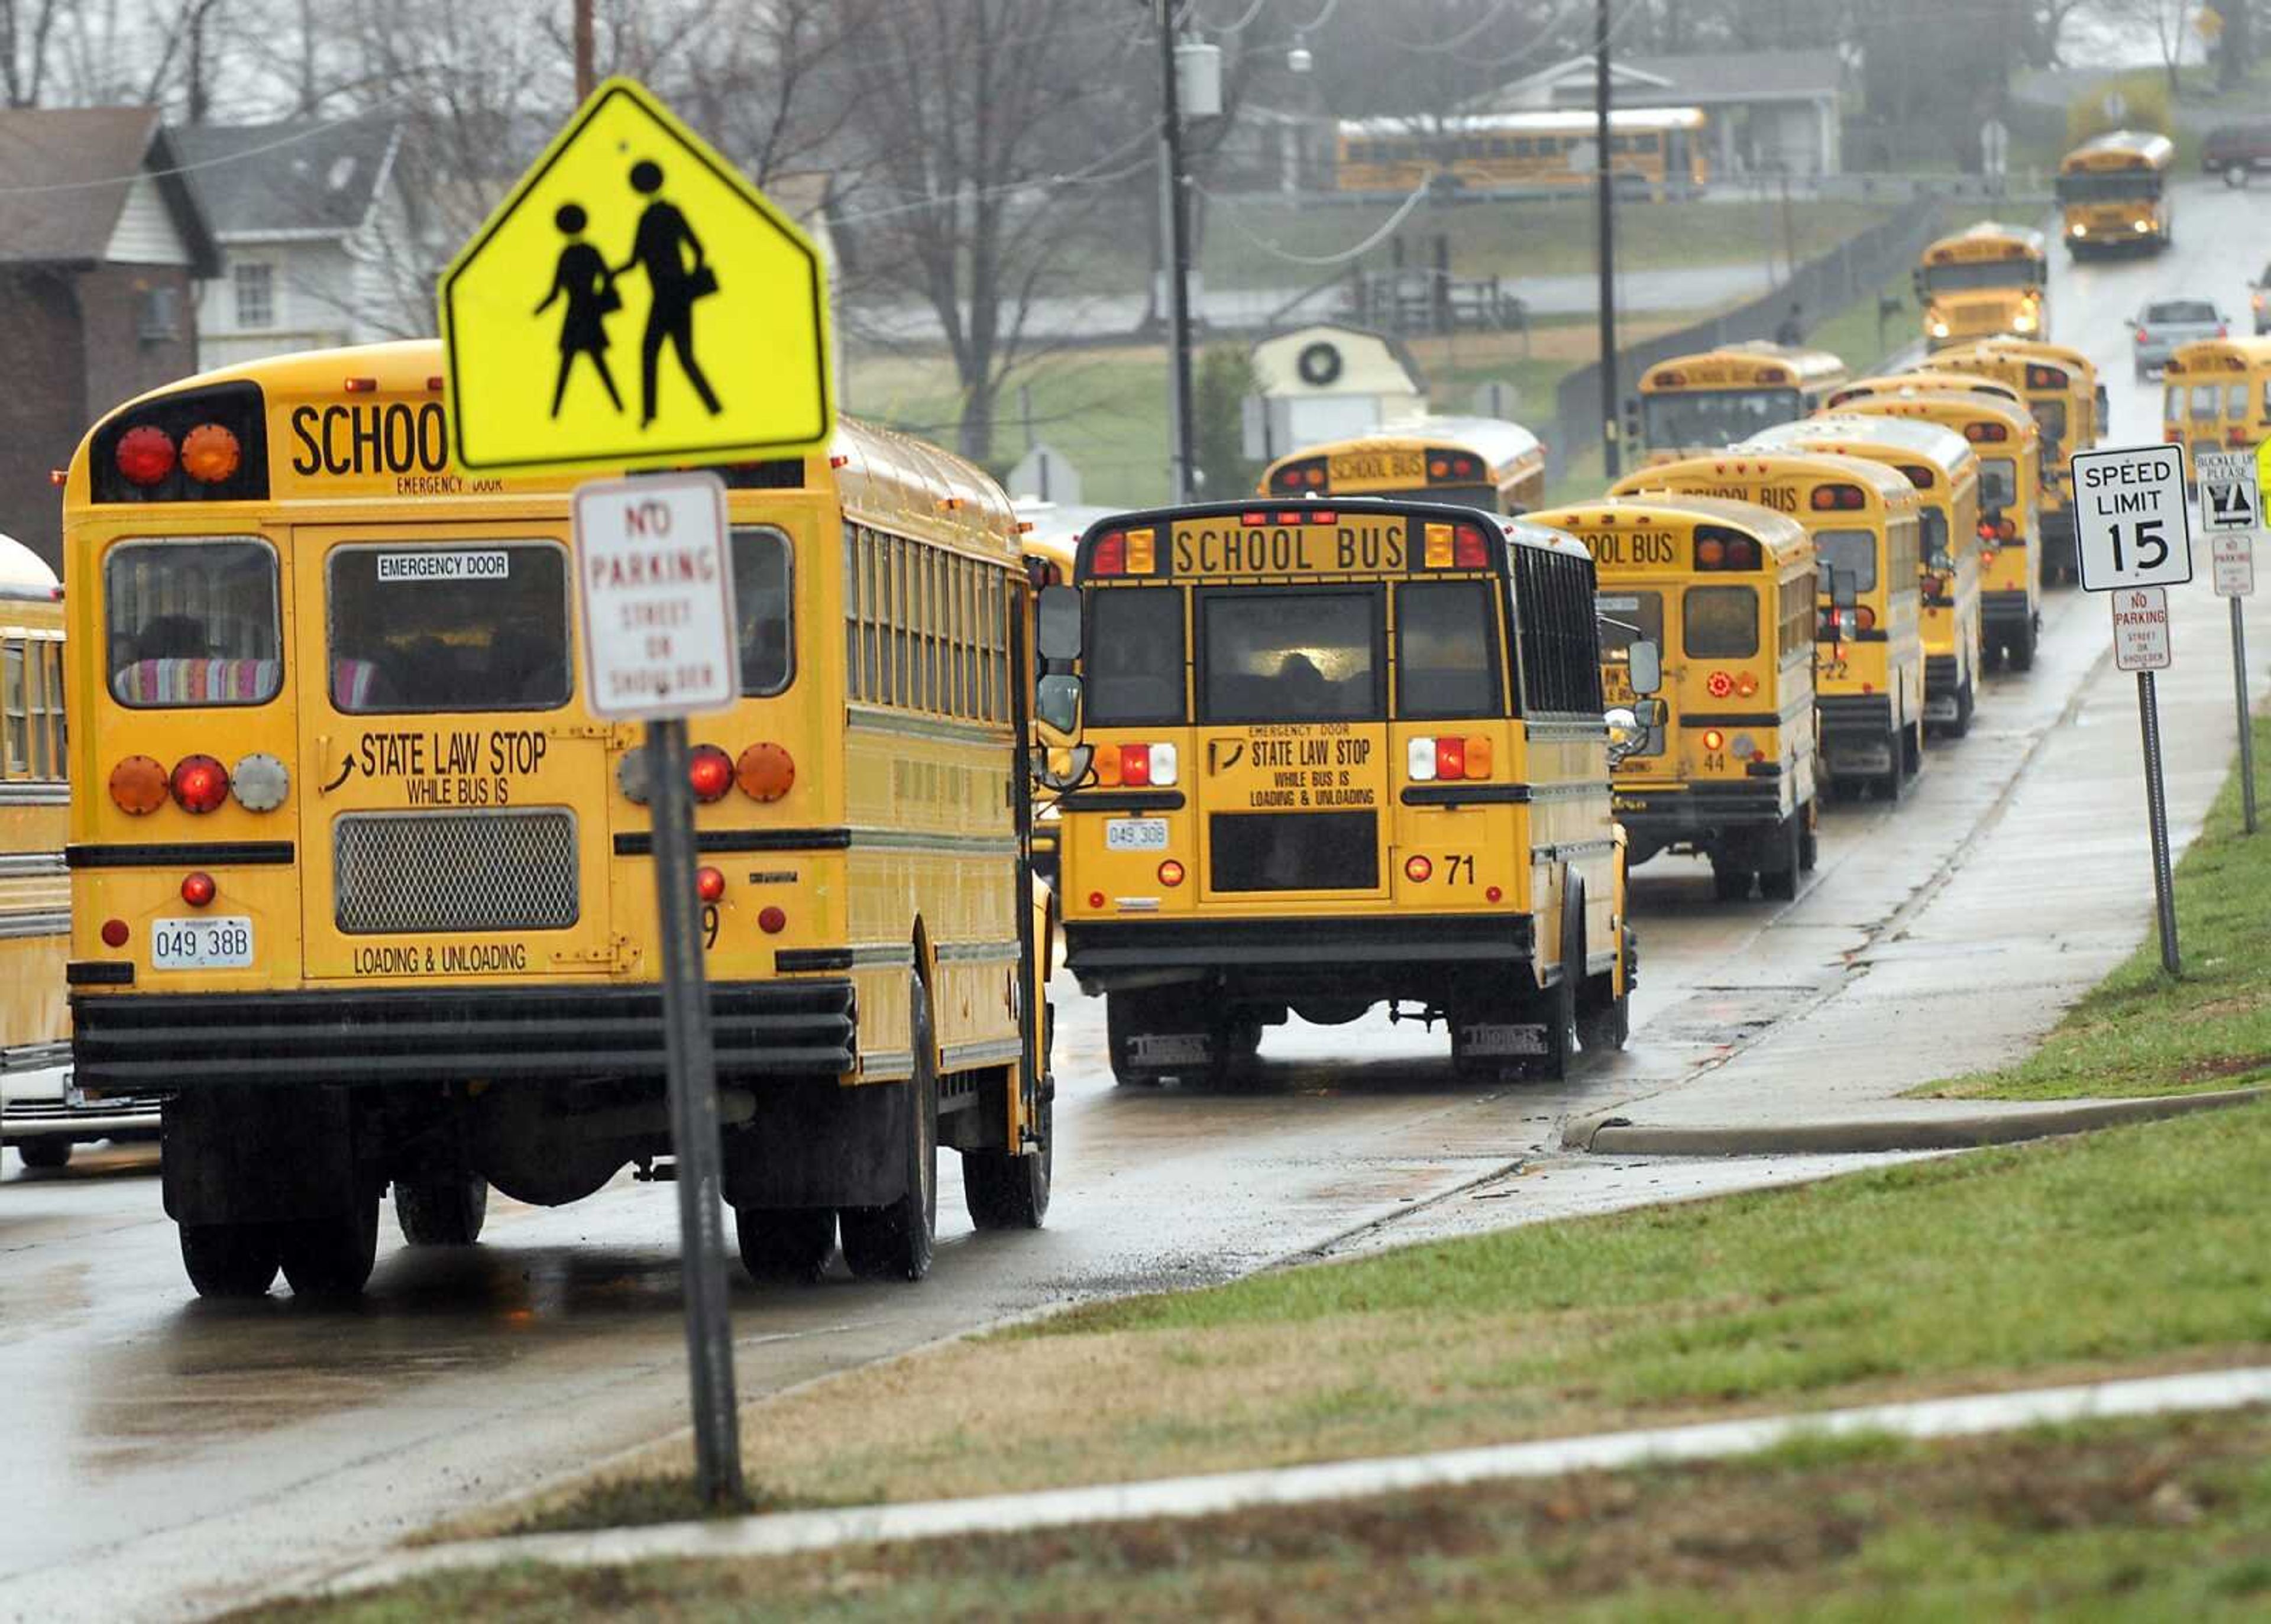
[
  {"x": 1868, "y": 679},
  {"x": 1344, "y": 754},
  {"x": 1726, "y": 590},
  {"x": 2008, "y": 446},
  {"x": 1940, "y": 464}
]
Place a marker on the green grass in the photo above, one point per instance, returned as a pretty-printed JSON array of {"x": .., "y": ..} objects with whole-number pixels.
[
  {"x": 2139, "y": 1033},
  {"x": 2143, "y": 1520}
]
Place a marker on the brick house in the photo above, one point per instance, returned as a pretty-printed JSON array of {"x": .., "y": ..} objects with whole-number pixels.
[{"x": 102, "y": 241}]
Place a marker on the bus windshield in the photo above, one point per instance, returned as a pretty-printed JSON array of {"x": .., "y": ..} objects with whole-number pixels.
[
  {"x": 2108, "y": 186},
  {"x": 1981, "y": 274},
  {"x": 1717, "y": 416}
]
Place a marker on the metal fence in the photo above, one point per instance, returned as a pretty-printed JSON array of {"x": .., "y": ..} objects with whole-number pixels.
[{"x": 1855, "y": 269}]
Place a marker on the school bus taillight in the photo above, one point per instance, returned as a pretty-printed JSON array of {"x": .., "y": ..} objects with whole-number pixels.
[
  {"x": 200, "y": 784},
  {"x": 198, "y": 889},
  {"x": 210, "y": 454},
  {"x": 1830, "y": 498},
  {"x": 709, "y": 883},
  {"x": 1125, "y": 552},
  {"x": 1454, "y": 546},
  {"x": 709, "y": 773},
  {"x": 1978, "y": 432},
  {"x": 146, "y": 455},
  {"x": 260, "y": 782},
  {"x": 1171, "y": 873},
  {"x": 1297, "y": 477},
  {"x": 1432, "y": 760}
]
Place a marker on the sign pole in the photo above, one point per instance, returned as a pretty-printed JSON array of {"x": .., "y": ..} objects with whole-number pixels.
[
  {"x": 2247, "y": 729},
  {"x": 692, "y": 1073},
  {"x": 2156, "y": 812}
]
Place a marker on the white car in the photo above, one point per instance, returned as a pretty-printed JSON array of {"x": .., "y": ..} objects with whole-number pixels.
[{"x": 42, "y": 1113}]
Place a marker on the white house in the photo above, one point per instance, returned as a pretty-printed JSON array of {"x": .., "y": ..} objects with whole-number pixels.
[{"x": 316, "y": 244}]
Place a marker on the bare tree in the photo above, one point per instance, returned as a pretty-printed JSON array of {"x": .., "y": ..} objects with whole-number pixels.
[
  {"x": 2169, "y": 21},
  {"x": 26, "y": 31}
]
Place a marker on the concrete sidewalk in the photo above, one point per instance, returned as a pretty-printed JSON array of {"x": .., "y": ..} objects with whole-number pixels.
[{"x": 2052, "y": 891}]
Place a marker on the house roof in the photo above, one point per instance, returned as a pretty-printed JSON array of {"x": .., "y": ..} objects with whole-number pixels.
[
  {"x": 65, "y": 173},
  {"x": 301, "y": 178},
  {"x": 1664, "y": 81}
]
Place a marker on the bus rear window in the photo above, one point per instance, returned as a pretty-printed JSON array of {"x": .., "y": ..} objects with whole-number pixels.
[
  {"x": 1716, "y": 416},
  {"x": 478, "y": 626},
  {"x": 1626, "y": 618},
  {"x": 1134, "y": 658},
  {"x": 1446, "y": 651},
  {"x": 1852, "y": 553},
  {"x": 192, "y": 623},
  {"x": 1290, "y": 656},
  {"x": 1999, "y": 482},
  {"x": 2050, "y": 417},
  {"x": 1719, "y": 622}
]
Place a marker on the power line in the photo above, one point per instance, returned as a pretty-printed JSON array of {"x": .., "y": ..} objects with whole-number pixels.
[
  {"x": 294, "y": 139},
  {"x": 1385, "y": 229}
]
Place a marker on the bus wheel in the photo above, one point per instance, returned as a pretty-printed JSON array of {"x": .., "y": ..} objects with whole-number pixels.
[
  {"x": 790, "y": 1244},
  {"x": 1129, "y": 1017},
  {"x": 1809, "y": 840},
  {"x": 1604, "y": 1017},
  {"x": 1731, "y": 882},
  {"x": 1011, "y": 1192},
  {"x": 45, "y": 1154},
  {"x": 229, "y": 1260},
  {"x": 1778, "y": 879},
  {"x": 893, "y": 1241},
  {"x": 1966, "y": 699},
  {"x": 331, "y": 1256},
  {"x": 2021, "y": 649},
  {"x": 1912, "y": 748},
  {"x": 442, "y": 1212}
]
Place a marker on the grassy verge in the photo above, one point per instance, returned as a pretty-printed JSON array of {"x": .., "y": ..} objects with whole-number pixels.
[
  {"x": 2138, "y": 1249},
  {"x": 2138, "y": 1032},
  {"x": 2144, "y": 1520}
]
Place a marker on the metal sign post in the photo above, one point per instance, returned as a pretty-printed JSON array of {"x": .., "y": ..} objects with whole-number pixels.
[
  {"x": 2231, "y": 508},
  {"x": 2132, "y": 538},
  {"x": 657, "y": 607}
]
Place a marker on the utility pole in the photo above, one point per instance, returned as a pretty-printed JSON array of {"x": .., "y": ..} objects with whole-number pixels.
[
  {"x": 586, "y": 71},
  {"x": 1604, "y": 206},
  {"x": 1176, "y": 258}
]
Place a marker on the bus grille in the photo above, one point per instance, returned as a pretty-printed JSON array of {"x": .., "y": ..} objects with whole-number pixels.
[
  {"x": 417, "y": 871},
  {"x": 1294, "y": 851}
]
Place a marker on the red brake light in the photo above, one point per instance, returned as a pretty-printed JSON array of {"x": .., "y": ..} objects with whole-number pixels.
[
  {"x": 1829, "y": 497},
  {"x": 199, "y": 783},
  {"x": 113, "y": 933},
  {"x": 709, "y": 883},
  {"x": 1469, "y": 550},
  {"x": 1109, "y": 555},
  {"x": 146, "y": 455},
  {"x": 1135, "y": 764},
  {"x": 708, "y": 772},
  {"x": 1450, "y": 758},
  {"x": 771, "y": 920},
  {"x": 198, "y": 889},
  {"x": 1417, "y": 869},
  {"x": 1171, "y": 873}
]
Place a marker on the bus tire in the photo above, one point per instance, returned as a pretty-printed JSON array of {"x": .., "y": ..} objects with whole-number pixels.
[
  {"x": 1604, "y": 1017},
  {"x": 442, "y": 1212},
  {"x": 1556, "y": 1005},
  {"x": 1778, "y": 878},
  {"x": 45, "y": 1154},
  {"x": 1912, "y": 748},
  {"x": 331, "y": 1256},
  {"x": 230, "y": 1260},
  {"x": 1809, "y": 840},
  {"x": 1731, "y": 882},
  {"x": 788, "y": 1244},
  {"x": 893, "y": 1241},
  {"x": 1004, "y": 1191},
  {"x": 2019, "y": 650}
]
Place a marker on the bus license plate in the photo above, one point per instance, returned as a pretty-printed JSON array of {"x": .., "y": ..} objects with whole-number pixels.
[
  {"x": 201, "y": 945},
  {"x": 1136, "y": 834}
]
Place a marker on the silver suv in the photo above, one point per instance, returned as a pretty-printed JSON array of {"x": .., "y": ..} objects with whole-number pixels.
[{"x": 2165, "y": 323}]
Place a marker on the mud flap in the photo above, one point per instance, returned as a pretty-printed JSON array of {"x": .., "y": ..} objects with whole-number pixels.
[{"x": 237, "y": 1153}]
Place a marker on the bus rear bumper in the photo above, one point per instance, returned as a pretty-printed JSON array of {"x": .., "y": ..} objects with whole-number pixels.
[
  {"x": 1857, "y": 735},
  {"x": 2007, "y": 611},
  {"x": 1381, "y": 955},
  {"x": 174, "y": 1042}
]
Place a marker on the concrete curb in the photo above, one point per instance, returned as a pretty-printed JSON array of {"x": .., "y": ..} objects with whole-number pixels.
[
  {"x": 1612, "y": 1134},
  {"x": 787, "y": 1533}
]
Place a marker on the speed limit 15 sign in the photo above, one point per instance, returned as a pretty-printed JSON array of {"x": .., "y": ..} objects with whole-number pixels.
[{"x": 2131, "y": 526}]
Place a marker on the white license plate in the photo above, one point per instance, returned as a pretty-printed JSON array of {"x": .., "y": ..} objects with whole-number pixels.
[
  {"x": 201, "y": 945},
  {"x": 1136, "y": 834}
]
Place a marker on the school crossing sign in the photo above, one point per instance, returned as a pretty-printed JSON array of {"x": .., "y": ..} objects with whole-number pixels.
[{"x": 635, "y": 303}]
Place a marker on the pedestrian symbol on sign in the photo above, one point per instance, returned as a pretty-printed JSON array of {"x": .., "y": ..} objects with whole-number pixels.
[{"x": 2229, "y": 508}]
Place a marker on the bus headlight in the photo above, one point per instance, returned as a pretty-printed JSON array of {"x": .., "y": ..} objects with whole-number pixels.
[
  {"x": 2140, "y": 226},
  {"x": 2080, "y": 228},
  {"x": 2023, "y": 322},
  {"x": 1937, "y": 326}
]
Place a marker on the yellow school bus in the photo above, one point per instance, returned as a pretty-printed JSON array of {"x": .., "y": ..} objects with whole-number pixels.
[
  {"x": 1938, "y": 462},
  {"x": 2060, "y": 388},
  {"x": 360, "y": 882},
  {"x": 1726, "y": 591},
  {"x": 1693, "y": 404},
  {"x": 35, "y": 919},
  {"x": 2217, "y": 396},
  {"x": 1987, "y": 279},
  {"x": 2113, "y": 193},
  {"x": 1868, "y": 676},
  {"x": 2008, "y": 446},
  {"x": 1658, "y": 152},
  {"x": 1344, "y": 754},
  {"x": 1473, "y": 462}
]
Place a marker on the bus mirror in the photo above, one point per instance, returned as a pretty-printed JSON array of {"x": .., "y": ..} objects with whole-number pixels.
[
  {"x": 1645, "y": 667},
  {"x": 1061, "y": 770},
  {"x": 1653, "y": 714},
  {"x": 1057, "y": 628},
  {"x": 1056, "y": 709}
]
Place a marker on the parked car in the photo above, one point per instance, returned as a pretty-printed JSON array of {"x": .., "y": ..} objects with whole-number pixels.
[
  {"x": 42, "y": 1115},
  {"x": 2165, "y": 323},
  {"x": 2258, "y": 300},
  {"x": 2237, "y": 150}
]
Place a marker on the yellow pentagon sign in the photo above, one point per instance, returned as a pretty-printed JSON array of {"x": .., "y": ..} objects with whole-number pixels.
[{"x": 635, "y": 303}]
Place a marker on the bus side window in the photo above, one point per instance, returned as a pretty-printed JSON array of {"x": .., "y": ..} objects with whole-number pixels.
[
  {"x": 15, "y": 697},
  {"x": 51, "y": 659}
]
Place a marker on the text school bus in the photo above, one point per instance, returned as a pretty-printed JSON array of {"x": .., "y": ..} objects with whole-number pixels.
[
  {"x": 1940, "y": 464},
  {"x": 1983, "y": 281},
  {"x": 360, "y": 882},
  {"x": 2059, "y": 388},
  {"x": 1868, "y": 677},
  {"x": 1693, "y": 403},
  {"x": 1726, "y": 591},
  {"x": 2004, "y": 439},
  {"x": 1476, "y": 461},
  {"x": 1344, "y": 754},
  {"x": 2217, "y": 396}
]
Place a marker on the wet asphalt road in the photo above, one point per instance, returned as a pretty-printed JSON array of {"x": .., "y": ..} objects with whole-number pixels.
[{"x": 164, "y": 1457}]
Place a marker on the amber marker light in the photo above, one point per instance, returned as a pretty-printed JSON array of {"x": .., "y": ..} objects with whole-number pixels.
[
  {"x": 764, "y": 772},
  {"x": 137, "y": 785},
  {"x": 210, "y": 454}
]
